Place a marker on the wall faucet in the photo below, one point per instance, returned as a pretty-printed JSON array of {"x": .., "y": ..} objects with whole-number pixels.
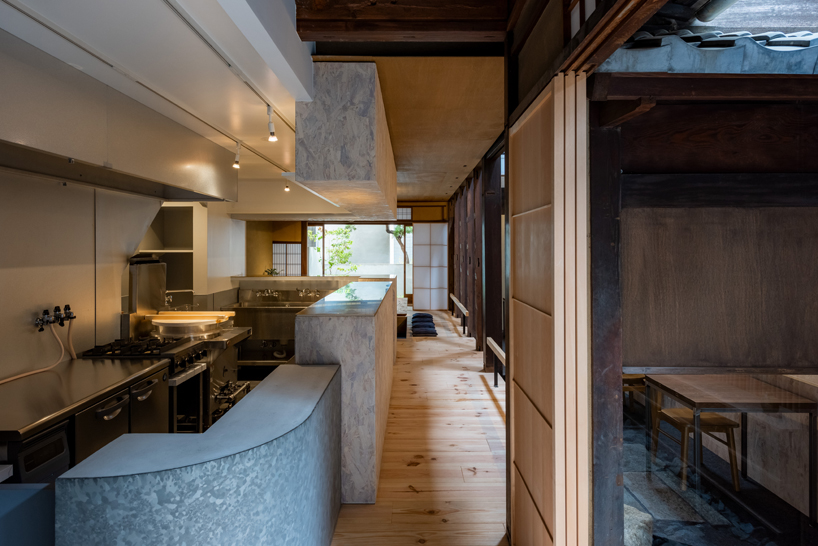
[{"x": 267, "y": 292}]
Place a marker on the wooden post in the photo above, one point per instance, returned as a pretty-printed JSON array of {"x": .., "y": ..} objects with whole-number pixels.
[
  {"x": 304, "y": 247},
  {"x": 492, "y": 259},
  {"x": 606, "y": 330}
]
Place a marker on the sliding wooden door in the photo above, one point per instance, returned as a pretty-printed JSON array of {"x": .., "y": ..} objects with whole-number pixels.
[{"x": 549, "y": 450}]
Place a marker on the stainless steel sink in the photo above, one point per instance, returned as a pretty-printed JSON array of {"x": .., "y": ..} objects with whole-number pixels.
[
  {"x": 267, "y": 305},
  {"x": 269, "y": 320}
]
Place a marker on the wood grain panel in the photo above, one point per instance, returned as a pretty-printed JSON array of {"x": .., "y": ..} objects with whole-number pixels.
[
  {"x": 528, "y": 528},
  {"x": 583, "y": 322},
  {"x": 722, "y": 138},
  {"x": 533, "y": 259},
  {"x": 534, "y": 454},
  {"x": 700, "y": 286},
  {"x": 533, "y": 342},
  {"x": 531, "y": 164},
  {"x": 417, "y": 10}
]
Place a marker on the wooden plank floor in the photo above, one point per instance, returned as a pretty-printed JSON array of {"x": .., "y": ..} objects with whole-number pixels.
[{"x": 443, "y": 476}]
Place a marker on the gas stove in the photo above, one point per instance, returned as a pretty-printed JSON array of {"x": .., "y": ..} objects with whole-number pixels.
[
  {"x": 182, "y": 352},
  {"x": 129, "y": 348}
]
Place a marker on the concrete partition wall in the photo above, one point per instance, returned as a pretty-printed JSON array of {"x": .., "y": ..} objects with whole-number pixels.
[{"x": 361, "y": 337}]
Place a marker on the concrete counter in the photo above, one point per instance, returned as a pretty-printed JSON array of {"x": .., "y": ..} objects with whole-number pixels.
[
  {"x": 268, "y": 472},
  {"x": 356, "y": 327}
]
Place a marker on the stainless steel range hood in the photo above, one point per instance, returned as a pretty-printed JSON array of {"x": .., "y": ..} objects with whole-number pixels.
[
  {"x": 61, "y": 123},
  {"x": 27, "y": 161}
]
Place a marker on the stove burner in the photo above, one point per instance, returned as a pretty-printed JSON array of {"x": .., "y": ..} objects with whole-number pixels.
[{"x": 128, "y": 348}]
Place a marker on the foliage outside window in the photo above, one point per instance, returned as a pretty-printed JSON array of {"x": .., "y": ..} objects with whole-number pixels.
[
  {"x": 400, "y": 233},
  {"x": 339, "y": 251}
]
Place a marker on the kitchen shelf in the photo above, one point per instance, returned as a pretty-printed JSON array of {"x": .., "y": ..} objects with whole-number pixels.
[{"x": 178, "y": 235}]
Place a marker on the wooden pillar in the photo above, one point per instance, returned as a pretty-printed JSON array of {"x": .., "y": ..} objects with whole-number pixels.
[
  {"x": 470, "y": 256},
  {"x": 452, "y": 251},
  {"x": 304, "y": 248},
  {"x": 492, "y": 266},
  {"x": 477, "y": 260},
  {"x": 606, "y": 331}
]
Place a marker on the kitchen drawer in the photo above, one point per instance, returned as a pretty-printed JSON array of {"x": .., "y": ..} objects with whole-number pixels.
[
  {"x": 150, "y": 404},
  {"x": 100, "y": 425}
]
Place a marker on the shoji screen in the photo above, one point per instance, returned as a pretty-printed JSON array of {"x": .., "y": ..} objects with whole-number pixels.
[
  {"x": 430, "y": 270},
  {"x": 549, "y": 384}
]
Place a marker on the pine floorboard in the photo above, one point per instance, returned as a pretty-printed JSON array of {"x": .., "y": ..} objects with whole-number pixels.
[{"x": 443, "y": 472}]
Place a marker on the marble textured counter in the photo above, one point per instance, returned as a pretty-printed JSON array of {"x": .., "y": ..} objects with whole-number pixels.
[
  {"x": 357, "y": 329},
  {"x": 355, "y": 299},
  {"x": 268, "y": 472}
]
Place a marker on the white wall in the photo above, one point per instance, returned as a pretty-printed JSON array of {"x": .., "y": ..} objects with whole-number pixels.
[
  {"x": 430, "y": 270},
  {"x": 62, "y": 244},
  {"x": 225, "y": 247}
]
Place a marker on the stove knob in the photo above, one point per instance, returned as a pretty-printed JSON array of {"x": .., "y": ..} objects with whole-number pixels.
[
  {"x": 204, "y": 353},
  {"x": 190, "y": 360},
  {"x": 199, "y": 355}
]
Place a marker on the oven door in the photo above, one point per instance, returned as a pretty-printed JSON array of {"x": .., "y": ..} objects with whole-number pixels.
[
  {"x": 100, "y": 425},
  {"x": 40, "y": 459}
]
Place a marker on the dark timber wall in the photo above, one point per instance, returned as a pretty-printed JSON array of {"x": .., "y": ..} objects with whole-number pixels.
[{"x": 730, "y": 287}]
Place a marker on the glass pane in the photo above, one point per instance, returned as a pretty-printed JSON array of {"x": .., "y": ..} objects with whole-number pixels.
[
  {"x": 367, "y": 250},
  {"x": 761, "y": 501}
]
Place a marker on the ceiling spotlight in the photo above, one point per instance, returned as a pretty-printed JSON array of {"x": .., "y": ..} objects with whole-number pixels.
[
  {"x": 287, "y": 187},
  {"x": 238, "y": 155},
  {"x": 270, "y": 126}
]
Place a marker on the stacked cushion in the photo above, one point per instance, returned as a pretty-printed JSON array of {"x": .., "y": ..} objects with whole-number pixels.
[{"x": 423, "y": 325}]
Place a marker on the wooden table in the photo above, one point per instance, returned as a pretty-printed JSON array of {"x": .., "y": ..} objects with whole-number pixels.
[{"x": 740, "y": 394}]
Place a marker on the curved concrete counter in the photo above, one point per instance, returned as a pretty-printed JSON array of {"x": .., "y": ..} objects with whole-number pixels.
[{"x": 268, "y": 472}]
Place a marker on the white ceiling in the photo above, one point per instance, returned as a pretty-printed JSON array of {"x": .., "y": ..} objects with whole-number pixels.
[{"x": 161, "y": 53}]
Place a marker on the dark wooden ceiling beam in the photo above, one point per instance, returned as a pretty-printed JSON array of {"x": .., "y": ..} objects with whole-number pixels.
[
  {"x": 522, "y": 29},
  {"x": 401, "y": 31},
  {"x": 402, "y": 20},
  {"x": 616, "y": 112},
  {"x": 402, "y": 9},
  {"x": 705, "y": 87}
]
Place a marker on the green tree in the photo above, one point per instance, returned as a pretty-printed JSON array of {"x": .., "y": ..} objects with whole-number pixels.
[
  {"x": 401, "y": 233},
  {"x": 339, "y": 251}
]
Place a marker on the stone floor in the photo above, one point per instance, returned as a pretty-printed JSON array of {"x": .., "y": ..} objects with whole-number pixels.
[{"x": 687, "y": 518}]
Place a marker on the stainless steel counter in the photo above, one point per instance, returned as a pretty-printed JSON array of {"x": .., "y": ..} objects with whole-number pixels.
[{"x": 34, "y": 403}]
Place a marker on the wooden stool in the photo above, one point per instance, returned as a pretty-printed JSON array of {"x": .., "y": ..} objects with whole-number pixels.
[
  {"x": 633, "y": 382},
  {"x": 711, "y": 423}
]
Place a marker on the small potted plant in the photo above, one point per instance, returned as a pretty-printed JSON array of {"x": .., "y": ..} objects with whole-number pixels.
[{"x": 272, "y": 271}]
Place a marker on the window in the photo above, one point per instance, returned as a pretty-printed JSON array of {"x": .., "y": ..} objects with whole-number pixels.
[
  {"x": 369, "y": 250},
  {"x": 287, "y": 259},
  {"x": 404, "y": 213}
]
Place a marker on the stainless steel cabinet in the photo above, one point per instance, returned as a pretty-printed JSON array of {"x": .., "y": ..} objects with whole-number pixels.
[
  {"x": 150, "y": 404},
  {"x": 101, "y": 424}
]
